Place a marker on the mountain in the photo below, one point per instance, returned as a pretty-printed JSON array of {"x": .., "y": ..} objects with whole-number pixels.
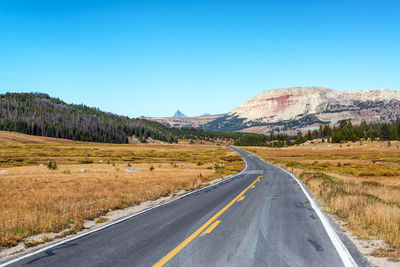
[
  {"x": 302, "y": 108},
  {"x": 179, "y": 114},
  {"x": 41, "y": 115},
  {"x": 185, "y": 122}
]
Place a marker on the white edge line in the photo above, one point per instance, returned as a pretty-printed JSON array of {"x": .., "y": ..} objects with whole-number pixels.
[
  {"x": 342, "y": 250},
  {"x": 118, "y": 221},
  {"x": 336, "y": 241}
]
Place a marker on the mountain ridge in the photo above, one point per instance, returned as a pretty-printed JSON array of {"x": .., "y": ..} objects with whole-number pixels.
[
  {"x": 302, "y": 108},
  {"x": 179, "y": 114},
  {"x": 38, "y": 114}
]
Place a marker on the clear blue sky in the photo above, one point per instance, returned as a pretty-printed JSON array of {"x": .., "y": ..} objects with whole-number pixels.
[{"x": 153, "y": 57}]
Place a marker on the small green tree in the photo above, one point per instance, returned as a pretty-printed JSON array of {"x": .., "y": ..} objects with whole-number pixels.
[
  {"x": 151, "y": 168},
  {"x": 385, "y": 132},
  {"x": 395, "y": 135},
  {"x": 52, "y": 165}
]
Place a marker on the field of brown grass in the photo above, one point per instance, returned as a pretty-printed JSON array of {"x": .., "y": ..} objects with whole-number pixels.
[
  {"x": 35, "y": 199},
  {"x": 359, "y": 183},
  {"x": 13, "y": 137}
]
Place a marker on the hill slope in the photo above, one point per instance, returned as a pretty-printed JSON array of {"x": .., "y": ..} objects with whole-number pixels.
[
  {"x": 302, "y": 108},
  {"x": 185, "y": 122},
  {"x": 20, "y": 138},
  {"x": 41, "y": 115}
]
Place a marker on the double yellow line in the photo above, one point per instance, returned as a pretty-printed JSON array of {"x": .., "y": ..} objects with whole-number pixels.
[{"x": 175, "y": 251}]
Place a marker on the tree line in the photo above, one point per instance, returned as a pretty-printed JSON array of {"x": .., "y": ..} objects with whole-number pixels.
[
  {"x": 39, "y": 114},
  {"x": 345, "y": 131}
]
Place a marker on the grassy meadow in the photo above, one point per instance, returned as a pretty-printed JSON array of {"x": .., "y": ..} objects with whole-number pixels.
[
  {"x": 359, "y": 183},
  {"x": 35, "y": 199}
]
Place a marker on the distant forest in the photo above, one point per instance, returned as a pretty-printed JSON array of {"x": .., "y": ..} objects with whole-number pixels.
[
  {"x": 40, "y": 114},
  {"x": 344, "y": 132}
]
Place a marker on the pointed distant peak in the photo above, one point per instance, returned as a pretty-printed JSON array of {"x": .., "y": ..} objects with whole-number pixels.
[{"x": 179, "y": 114}]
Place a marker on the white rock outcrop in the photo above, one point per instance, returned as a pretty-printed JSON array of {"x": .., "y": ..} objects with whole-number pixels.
[
  {"x": 129, "y": 170},
  {"x": 291, "y": 103}
]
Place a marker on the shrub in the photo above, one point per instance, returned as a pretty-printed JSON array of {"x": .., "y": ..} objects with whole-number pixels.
[
  {"x": 293, "y": 164},
  {"x": 217, "y": 166},
  {"x": 85, "y": 161},
  {"x": 32, "y": 244},
  {"x": 151, "y": 168},
  {"x": 325, "y": 165},
  {"x": 371, "y": 183},
  {"x": 102, "y": 220},
  {"x": 52, "y": 165}
]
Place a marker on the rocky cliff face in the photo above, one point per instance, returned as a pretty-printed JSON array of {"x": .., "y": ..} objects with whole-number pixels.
[{"x": 302, "y": 108}]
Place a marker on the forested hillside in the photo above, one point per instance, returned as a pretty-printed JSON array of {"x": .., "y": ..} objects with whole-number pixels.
[{"x": 39, "y": 114}]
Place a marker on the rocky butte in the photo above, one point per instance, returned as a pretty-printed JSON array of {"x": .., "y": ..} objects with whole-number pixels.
[{"x": 303, "y": 108}]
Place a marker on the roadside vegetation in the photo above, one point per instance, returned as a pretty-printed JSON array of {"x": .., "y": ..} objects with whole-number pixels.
[
  {"x": 359, "y": 183},
  {"x": 54, "y": 187}
]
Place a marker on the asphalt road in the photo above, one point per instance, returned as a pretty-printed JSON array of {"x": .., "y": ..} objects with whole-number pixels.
[{"x": 260, "y": 217}]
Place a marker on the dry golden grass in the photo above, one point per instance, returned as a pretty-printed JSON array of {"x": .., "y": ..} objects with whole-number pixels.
[
  {"x": 16, "y": 154},
  {"x": 13, "y": 137},
  {"x": 35, "y": 200},
  {"x": 357, "y": 183}
]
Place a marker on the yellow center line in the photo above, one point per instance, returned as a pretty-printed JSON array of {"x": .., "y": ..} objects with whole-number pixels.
[
  {"x": 175, "y": 251},
  {"x": 209, "y": 229},
  {"x": 253, "y": 186},
  {"x": 240, "y": 199}
]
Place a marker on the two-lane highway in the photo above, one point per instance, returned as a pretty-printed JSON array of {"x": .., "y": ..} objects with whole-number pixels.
[{"x": 260, "y": 217}]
